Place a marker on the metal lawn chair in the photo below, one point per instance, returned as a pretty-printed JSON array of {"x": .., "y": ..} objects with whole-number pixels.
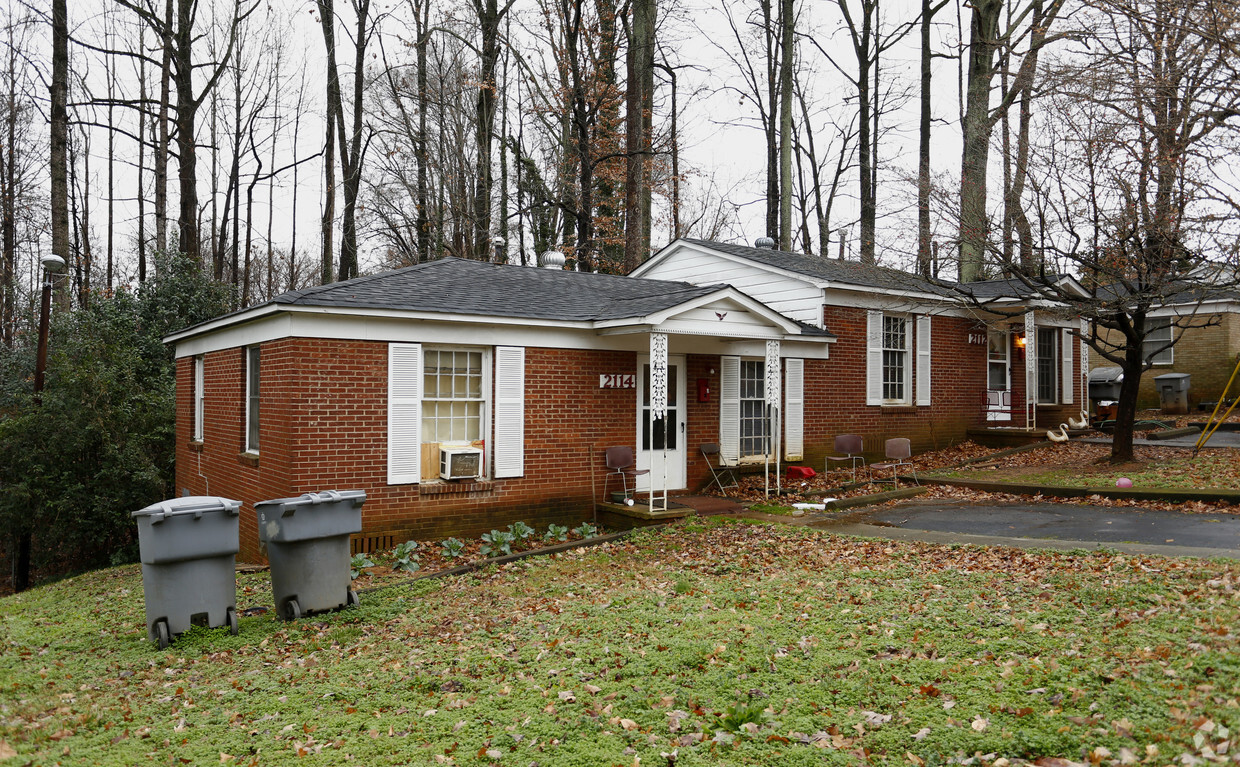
[
  {"x": 620, "y": 463},
  {"x": 722, "y": 475},
  {"x": 898, "y": 451},
  {"x": 850, "y": 446}
]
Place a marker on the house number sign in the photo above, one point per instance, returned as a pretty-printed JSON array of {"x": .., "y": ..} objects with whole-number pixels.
[{"x": 617, "y": 381}]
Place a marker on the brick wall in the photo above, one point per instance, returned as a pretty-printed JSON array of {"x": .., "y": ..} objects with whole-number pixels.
[
  {"x": 1207, "y": 354},
  {"x": 323, "y": 422},
  {"x": 835, "y": 390}
]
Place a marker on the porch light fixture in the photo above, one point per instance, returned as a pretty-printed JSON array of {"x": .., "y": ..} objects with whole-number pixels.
[{"x": 1020, "y": 341}]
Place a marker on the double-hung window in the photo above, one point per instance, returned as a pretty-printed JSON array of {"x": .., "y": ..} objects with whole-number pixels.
[
  {"x": 755, "y": 426},
  {"x": 1158, "y": 335},
  {"x": 895, "y": 358},
  {"x": 251, "y": 398},
  {"x": 199, "y": 398},
  {"x": 452, "y": 396},
  {"x": 441, "y": 396},
  {"x": 1048, "y": 365}
]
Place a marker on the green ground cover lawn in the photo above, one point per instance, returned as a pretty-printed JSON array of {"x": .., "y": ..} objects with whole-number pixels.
[
  {"x": 1218, "y": 469},
  {"x": 708, "y": 643}
]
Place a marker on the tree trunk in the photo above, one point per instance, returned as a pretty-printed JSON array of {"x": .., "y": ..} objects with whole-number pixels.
[
  {"x": 59, "y": 147},
  {"x": 351, "y": 161},
  {"x": 489, "y": 16},
  {"x": 974, "y": 224},
  {"x": 420, "y": 146},
  {"x": 187, "y": 155},
  {"x": 923, "y": 146},
  {"x": 787, "y": 46},
  {"x": 640, "y": 77},
  {"x": 772, "y": 133},
  {"x": 327, "y": 16},
  {"x": 161, "y": 147}
]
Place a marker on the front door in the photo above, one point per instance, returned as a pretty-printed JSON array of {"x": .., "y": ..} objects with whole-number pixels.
[
  {"x": 661, "y": 444},
  {"x": 998, "y": 376}
]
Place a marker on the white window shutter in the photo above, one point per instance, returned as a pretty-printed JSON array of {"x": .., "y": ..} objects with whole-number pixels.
[
  {"x": 509, "y": 452},
  {"x": 874, "y": 358},
  {"x": 923, "y": 360},
  {"x": 794, "y": 409},
  {"x": 1067, "y": 381},
  {"x": 730, "y": 409},
  {"x": 404, "y": 455}
]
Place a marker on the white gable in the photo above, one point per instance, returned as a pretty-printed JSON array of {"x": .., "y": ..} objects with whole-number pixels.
[{"x": 791, "y": 295}]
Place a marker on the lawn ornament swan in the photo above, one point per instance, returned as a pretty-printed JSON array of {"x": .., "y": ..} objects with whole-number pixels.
[
  {"x": 1060, "y": 436},
  {"x": 1081, "y": 424}
]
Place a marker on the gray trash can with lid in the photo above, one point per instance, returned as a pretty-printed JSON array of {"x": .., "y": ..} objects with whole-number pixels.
[
  {"x": 307, "y": 541},
  {"x": 188, "y": 548},
  {"x": 1173, "y": 391},
  {"x": 1105, "y": 383}
]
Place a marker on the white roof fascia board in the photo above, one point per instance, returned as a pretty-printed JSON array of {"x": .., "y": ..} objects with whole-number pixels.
[
  {"x": 1070, "y": 282},
  {"x": 893, "y": 302},
  {"x": 211, "y": 326},
  {"x": 268, "y": 310},
  {"x": 400, "y": 329},
  {"x": 439, "y": 329},
  {"x": 1190, "y": 308}
]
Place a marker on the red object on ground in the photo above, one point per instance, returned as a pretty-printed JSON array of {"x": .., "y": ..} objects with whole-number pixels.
[{"x": 800, "y": 472}]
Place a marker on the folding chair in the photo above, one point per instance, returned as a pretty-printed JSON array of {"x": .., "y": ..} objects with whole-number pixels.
[
  {"x": 620, "y": 464},
  {"x": 851, "y": 446},
  {"x": 720, "y": 473},
  {"x": 898, "y": 451}
]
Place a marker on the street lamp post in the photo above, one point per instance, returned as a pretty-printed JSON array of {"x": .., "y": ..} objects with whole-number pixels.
[{"x": 51, "y": 264}]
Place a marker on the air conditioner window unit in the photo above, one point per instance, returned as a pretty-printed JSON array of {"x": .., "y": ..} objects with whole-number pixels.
[{"x": 460, "y": 462}]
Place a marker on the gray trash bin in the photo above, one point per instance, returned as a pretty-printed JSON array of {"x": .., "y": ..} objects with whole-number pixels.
[
  {"x": 188, "y": 548},
  {"x": 307, "y": 541},
  {"x": 1173, "y": 391}
]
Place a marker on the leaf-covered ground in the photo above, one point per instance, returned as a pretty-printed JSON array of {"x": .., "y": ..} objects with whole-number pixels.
[{"x": 715, "y": 642}]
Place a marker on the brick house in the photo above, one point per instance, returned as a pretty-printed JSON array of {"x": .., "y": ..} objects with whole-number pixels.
[
  {"x": 518, "y": 378},
  {"x": 912, "y": 358},
  {"x": 1208, "y": 353}
]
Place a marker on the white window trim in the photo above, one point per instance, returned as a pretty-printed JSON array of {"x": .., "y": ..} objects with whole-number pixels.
[
  {"x": 1170, "y": 352},
  {"x": 1053, "y": 363},
  {"x": 249, "y": 361},
  {"x": 199, "y": 398},
  {"x": 909, "y": 358},
  {"x": 486, "y": 422}
]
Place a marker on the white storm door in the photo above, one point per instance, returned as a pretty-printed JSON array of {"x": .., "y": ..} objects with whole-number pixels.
[
  {"x": 998, "y": 376},
  {"x": 661, "y": 445}
]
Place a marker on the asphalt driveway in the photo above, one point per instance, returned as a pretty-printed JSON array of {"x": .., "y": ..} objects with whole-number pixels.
[{"x": 1066, "y": 525}]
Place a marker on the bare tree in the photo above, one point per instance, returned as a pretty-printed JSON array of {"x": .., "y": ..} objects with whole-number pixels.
[
  {"x": 1030, "y": 22},
  {"x": 1143, "y": 109}
]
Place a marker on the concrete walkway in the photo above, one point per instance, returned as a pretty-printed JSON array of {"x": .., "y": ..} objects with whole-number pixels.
[{"x": 1046, "y": 525}]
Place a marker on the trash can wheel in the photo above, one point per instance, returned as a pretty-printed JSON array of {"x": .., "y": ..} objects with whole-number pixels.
[
  {"x": 353, "y": 599},
  {"x": 290, "y": 610},
  {"x": 161, "y": 634},
  {"x": 231, "y": 618}
]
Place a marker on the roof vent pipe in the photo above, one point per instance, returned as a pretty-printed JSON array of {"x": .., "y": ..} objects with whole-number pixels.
[
  {"x": 766, "y": 243},
  {"x": 552, "y": 259}
]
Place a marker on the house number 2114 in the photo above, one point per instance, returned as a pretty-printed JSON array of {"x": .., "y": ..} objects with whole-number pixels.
[{"x": 617, "y": 381}]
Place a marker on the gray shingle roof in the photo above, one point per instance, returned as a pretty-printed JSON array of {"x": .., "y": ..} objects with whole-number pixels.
[
  {"x": 457, "y": 286},
  {"x": 829, "y": 269}
]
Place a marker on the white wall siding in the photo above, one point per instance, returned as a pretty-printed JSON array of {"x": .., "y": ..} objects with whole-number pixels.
[{"x": 788, "y": 296}]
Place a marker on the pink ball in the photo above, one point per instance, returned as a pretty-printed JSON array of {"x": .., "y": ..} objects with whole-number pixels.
[{"x": 1123, "y": 482}]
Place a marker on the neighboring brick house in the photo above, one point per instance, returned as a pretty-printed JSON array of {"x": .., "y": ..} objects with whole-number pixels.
[
  {"x": 912, "y": 358},
  {"x": 1208, "y": 353},
  {"x": 522, "y": 376}
]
